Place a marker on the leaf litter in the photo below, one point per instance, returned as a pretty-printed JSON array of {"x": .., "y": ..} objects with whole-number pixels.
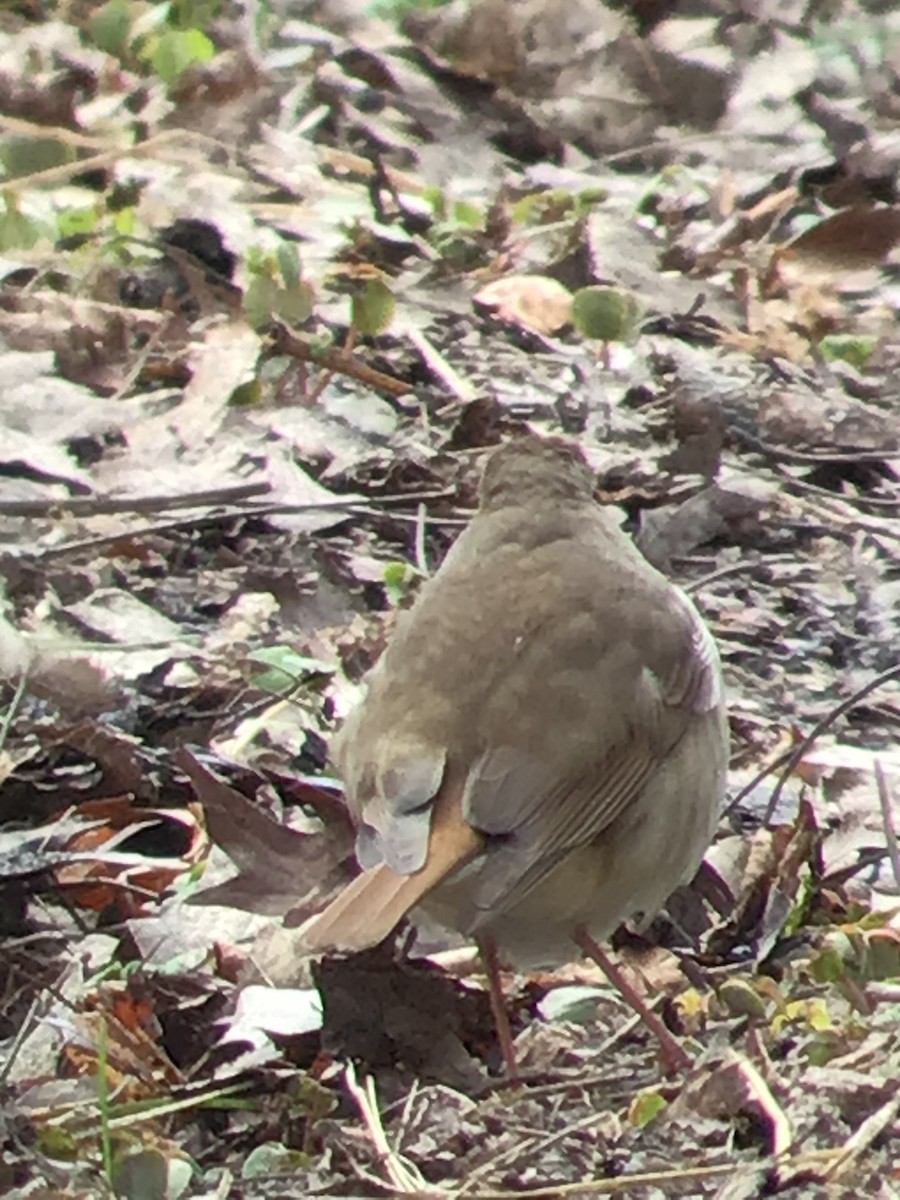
[{"x": 270, "y": 287}]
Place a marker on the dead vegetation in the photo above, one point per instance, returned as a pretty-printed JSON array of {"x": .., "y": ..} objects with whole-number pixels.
[{"x": 272, "y": 279}]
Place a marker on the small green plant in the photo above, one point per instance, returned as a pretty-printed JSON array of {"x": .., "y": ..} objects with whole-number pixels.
[
  {"x": 396, "y": 10},
  {"x": 17, "y": 231},
  {"x": 556, "y": 204},
  {"x": 399, "y": 578},
  {"x": 372, "y": 308},
  {"x": 276, "y": 290},
  {"x": 168, "y": 38},
  {"x": 287, "y": 669},
  {"x": 606, "y": 314},
  {"x": 853, "y": 348}
]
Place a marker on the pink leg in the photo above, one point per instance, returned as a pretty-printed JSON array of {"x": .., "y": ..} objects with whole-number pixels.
[
  {"x": 674, "y": 1056},
  {"x": 488, "y": 952}
]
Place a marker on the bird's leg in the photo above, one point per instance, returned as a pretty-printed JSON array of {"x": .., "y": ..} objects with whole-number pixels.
[
  {"x": 674, "y": 1056},
  {"x": 488, "y": 951}
]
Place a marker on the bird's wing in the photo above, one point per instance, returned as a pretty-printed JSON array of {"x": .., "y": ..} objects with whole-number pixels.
[{"x": 536, "y": 816}]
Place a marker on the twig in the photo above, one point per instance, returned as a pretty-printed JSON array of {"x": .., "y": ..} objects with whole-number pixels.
[
  {"x": 350, "y": 507},
  {"x": 890, "y": 833},
  {"x": 861, "y": 1138},
  {"x": 829, "y": 508},
  {"x": 24, "y": 1031},
  {"x": 93, "y": 506},
  {"x": 734, "y": 569},
  {"x": 56, "y": 133},
  {"x": 821, "y": 727},
  {"x": 420, "y": 551},
  {"x": 537, "y": 1145},
  {"x": 328, "y": 374},
  {"x": 775, "y": 765},
  {"x": 443, "y": 370},
  {"x": 103, "y": 1100},
  {"x": 612, "y": 1086},
  {"x": 284, "y": 342},
  {"x": 406, "y": 1114},
  {"x": 141, "y": 360},
  {"x": 625, "y": 1183},
  {"x": 10, "y": 713},
  {"x": 674, "y": 1055},
  {"x": 814, "y": 458},
  {"x": 812, "y": 489},
  {"x": 107, "y": 158}
]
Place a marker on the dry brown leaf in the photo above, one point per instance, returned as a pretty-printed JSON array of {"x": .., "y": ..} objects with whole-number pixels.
[
  {"x": 733, "y": 1088},
  {"x": 280, "y": 868},
  {"x": 534, "y": 301},
  {"x": 854, "y": 239}
]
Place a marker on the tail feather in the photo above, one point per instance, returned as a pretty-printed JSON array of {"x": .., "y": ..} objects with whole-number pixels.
[{"x": 373, "y": 904}]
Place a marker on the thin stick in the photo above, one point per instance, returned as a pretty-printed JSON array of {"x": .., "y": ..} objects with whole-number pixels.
[
  {"x": 775, "y": 765},
  {"x": 420, "y": 550},
  {"x": 439, "y": 367},
  {"x": 9, "y": 715},
  {"x": 862, "y": 1137},
  {"x": 887, "y": 818},
  {"x": 733, "y": 569},
  {"x": 284, "y": 342},
  {"x": 108, "y": 158},
  {"x": 625, "y": 1183},
  {"x": 92, "y": 506},
  {"x": 822, "y": 727}
]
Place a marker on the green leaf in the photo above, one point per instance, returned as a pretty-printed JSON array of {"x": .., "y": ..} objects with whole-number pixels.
[
  {"x": 125, "y": 222},
  {"x": 246, "y": 395},
  {"x": 74, "y": 221},
  {"x": 289, "y": 264},
  {"x": 645, "y": 1107},
  {"x": 56, "y": 1142},
  {"x": 575, "y": 1002},
  {"x": 294, "y": 305},
  {"x": 184, "y": 14},
  {"x": 17, "y": 232},
  {"x": 437, "y": 198},
  {"x": 287, "y": 659},
  {"x": 288, "y": 669},
  {"x": 372, "y": 309},
  {"x": 28, "y": 155},
  {"x": 856, "y": 349},
  {"x": 397, "y": 578},
  {"x": 466, "y": 213},
  {"x": 178, "y": 49},
  {"x": 110, "y": 26},
  {"x": 835, "y": 959},
  {"x": 741, "y": 999},
  {"x": 141, "y": 1176},
  {"x": 261, "y": 301},
  {"x": 273, "y": 1159},
  {"x": 606, "y": 314}
]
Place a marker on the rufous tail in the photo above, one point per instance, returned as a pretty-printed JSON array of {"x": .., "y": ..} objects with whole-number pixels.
[{"x": 373, "y": 904}]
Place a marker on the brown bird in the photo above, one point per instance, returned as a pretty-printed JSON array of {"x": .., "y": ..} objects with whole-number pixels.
[{"x": 542, "y": 747}]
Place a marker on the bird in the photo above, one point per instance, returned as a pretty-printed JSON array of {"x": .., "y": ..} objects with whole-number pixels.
[{"x": 540, "y": 752}]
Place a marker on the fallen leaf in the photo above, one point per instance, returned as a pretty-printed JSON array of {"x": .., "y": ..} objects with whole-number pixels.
[
  {"x": 279, "y": 867},
  {"x": 535, "y": 301},
  {"x": 853, "y": 239}
]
